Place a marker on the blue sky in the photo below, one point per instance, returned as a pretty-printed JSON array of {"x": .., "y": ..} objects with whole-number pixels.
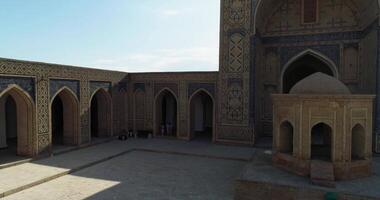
[{"x": 124, "y": 35}]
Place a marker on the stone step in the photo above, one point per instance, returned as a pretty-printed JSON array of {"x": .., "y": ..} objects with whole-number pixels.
[{"x": 322, "y": 173}]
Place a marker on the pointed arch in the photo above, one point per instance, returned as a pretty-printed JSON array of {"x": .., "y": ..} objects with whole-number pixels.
[
  {"x": 64, "y": 89},
  {"x": 358, "y": 140},
  {"x": 166, "y": 118},
  {"x": 100, "y": 113},
  {"x": 139, "y": 109},
  {"x": 208, "y": 113},
  {"x": 25, "y": 119},
  {"x": 328, "y": 67},
  {"x": 64, "y": 112},
  {"x": 321, "y": 141},
  {"x": 286, "y": 137},
  {"x": 163, "y": 90}
]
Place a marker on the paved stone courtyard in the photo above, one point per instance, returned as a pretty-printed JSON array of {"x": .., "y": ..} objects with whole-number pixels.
[
  {"x": 266, "y": 177},
  {"x": 137, "y": 169},
  {"x": 144, "y": 175}
]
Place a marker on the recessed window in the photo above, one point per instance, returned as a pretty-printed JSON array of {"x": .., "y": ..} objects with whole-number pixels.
[{"x": 309, "y": 8}]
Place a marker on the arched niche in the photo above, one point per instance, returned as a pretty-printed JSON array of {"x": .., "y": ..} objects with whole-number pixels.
[
  {"x": 166, "y": 114},
  {"x": 304, "y": 65},
  {"x": 286, "y": 138},
  {"x": 358, "y": 142},
  {"x": 101, "y": 114},
  {"x": 139, "y": 110},
  {"x": 271, "y": 13},
  {"x": 321, "y": 142},
  {"x": 201, "y": 110},
  {"x": 65, "y": 118},
  {"x": 17, "y": 118}
]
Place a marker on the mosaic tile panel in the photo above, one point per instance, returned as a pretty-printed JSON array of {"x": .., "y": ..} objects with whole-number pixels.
[
  {"x": 26, "y": 83},
  {"x": 57, "y": 84}
]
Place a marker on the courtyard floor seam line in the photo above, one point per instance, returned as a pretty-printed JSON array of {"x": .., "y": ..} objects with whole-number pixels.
[
  {"x": 4, "y": 166},
  {"x": 70, "y": 171},
  {"x": 82, "y": 147},
  {"x": 47, "y": 179},
  {"x": 192, "y": 154}
]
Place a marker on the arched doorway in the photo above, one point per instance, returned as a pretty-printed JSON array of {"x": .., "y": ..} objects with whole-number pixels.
[
  {"x": 358, "y": 143},
  {"x": 301, "y": 68},
  {"x": 201, "y": 116},
  {"x": 286, "y": 138},
  {"x": 321, "y": 142},
  {"x": 101, "y": 114},
  {"x": 166, "y": 114},
  {"x": 16, "y": 122},
  {"x": 65, "y": 118}
]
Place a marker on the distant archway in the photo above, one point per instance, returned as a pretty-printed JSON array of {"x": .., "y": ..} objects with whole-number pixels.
[
  {"x": 358, "y": 143},
  {"x": 286, "y": 138},
  {"x": 321, "y": 142},
  {"x": 201, "y": 115},
  {"x": 16, "y": 121},
  {"x": 101, "y": 114},
  {"x": 65, "y": 118},
  {"x": 166, "y": 114},
  {"x": 304, "y": 65}
]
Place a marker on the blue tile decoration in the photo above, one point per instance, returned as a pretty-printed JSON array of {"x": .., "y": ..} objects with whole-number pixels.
[
  {"x": 122, "y": 86},
  {"x": 209, "y": 87},
  {"x": 139, "y": 86},
  {"x": 323, "y": 37},
  {"x": 297, "y": 39},
  {"x": 331, "y": 51},
  {"x": 95, "y": 85},
  {"x": 57, "y": 84},
  {"x": 172, "y": 86},
  {"x": 26, "y": 83}
]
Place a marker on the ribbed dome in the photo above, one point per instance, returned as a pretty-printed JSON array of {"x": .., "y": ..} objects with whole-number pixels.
[{"x": 320, "y": 83}]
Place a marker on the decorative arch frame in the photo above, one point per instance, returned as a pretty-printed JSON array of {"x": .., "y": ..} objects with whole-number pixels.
[
  {"x": 76, "y": 120},
  {"x": 108, "y": 98},
  {"x": 195, "y": 93},
  {"x": 62, "y": 89},
  {"x": 30, "y": 141},
  {"x": 313, "y": 53},
  {"x": 155, "y": 109}
]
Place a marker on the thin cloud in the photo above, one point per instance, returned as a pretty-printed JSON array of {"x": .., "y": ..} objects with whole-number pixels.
[
  {"x": 170, "y": 12},
  {"x": 163, "y": 60}
]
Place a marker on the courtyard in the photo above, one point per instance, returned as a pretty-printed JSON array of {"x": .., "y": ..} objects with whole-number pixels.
[{"x": 136, "y": 169}]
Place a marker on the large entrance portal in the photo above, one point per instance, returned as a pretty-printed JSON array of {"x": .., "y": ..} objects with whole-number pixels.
[
  {"x": 302, "y": 68},
  {"x": 201, "y": 116},
  {"x": 65, "y": 116},
  {"x": 16, "y": 122},
  {"x": 166, "y": 114},
  {"x": 321, "y": 142},
  {"x": 101, "y": 114}
]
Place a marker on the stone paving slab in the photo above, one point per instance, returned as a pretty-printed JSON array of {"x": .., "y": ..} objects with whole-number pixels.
[
  {"x": 9, "y": 159},
  {"x": 21, "y": 177},
  {"x": 144, "y": 175},
  {"x": 197, "y": 148},
  {"x": 260, "y": 170},
  {"x": 26, "y": 175}
]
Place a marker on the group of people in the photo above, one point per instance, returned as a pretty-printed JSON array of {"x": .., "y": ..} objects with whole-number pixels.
[{"x": 167, "y": 129}]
